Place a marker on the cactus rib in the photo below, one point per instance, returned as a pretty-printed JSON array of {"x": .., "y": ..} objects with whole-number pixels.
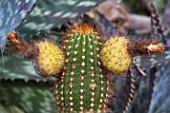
[{"x": 84, "y": 85}]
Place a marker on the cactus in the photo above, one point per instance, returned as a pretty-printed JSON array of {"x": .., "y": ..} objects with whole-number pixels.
[{"x": 83, "y": 85}]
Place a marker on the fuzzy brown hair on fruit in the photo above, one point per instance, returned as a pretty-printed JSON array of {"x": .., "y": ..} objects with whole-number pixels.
[{"x": 21, "y": 47}]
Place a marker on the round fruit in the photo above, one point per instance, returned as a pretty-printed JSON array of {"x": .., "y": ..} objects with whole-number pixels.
[
  {"x": 50, "y": 59},
  {"x": 115, "y": 56}
]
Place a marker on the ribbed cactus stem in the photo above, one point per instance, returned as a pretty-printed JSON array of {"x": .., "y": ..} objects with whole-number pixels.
[{"x": 84, "y": 86}]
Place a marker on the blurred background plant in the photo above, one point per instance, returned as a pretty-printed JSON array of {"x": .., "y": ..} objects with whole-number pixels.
[{"x": 22, "y": 91}]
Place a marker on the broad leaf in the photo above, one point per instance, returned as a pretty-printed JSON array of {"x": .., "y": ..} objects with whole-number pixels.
[
  {"x": 166, "y": 16},
  {"x": 104, "y": 26},
  {"x": 161, "y": 97},
  {"x": 154, "y": 60},
  {"x": 12, "y": 13},
  {"x": 53, "y": 13},
  {"x": 17, "y": 68},
  {"x": 31, "y": 97},
  {"x": 144, "y": 91},
  {"x": 7, "y": 108},
  {"x": 127, "y": 90}
]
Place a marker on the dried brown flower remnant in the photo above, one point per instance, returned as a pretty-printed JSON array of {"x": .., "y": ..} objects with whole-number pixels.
[
  {"x": 155, "y": 48},
  {"x": 144, "y": 47},
  {"x": 22, "y": 48}
]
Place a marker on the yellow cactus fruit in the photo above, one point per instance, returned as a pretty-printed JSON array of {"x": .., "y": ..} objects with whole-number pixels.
[
  {"x": 115, "y": 56},
  {"x": 50, "y": 59}
]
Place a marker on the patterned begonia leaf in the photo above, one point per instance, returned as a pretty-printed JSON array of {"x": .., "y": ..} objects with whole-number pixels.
[
  {"x": 154, "y": 60},
  {"x": 17, "y": 68},
  {"x": 7, "y": 108},
  {"x": 30, "y": 97},
  {"x": 12, "y": 13},
  {"x": 53, "y": 13},
  {"x": 161, "y": 96}
]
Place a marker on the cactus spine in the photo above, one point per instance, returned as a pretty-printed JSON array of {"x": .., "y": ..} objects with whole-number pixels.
[{"x": 83, "y": 84}]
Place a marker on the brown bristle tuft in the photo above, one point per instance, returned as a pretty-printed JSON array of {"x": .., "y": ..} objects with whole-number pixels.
[
  {"x": 12, "y": 37},
  {"x": 83, "y": 28},
  {"x": 136, "y": 47},
  {"x": 22, "y": 48}
]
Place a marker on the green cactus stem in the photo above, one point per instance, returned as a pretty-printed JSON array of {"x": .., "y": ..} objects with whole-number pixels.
[{"x": 83, "y": 85}]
